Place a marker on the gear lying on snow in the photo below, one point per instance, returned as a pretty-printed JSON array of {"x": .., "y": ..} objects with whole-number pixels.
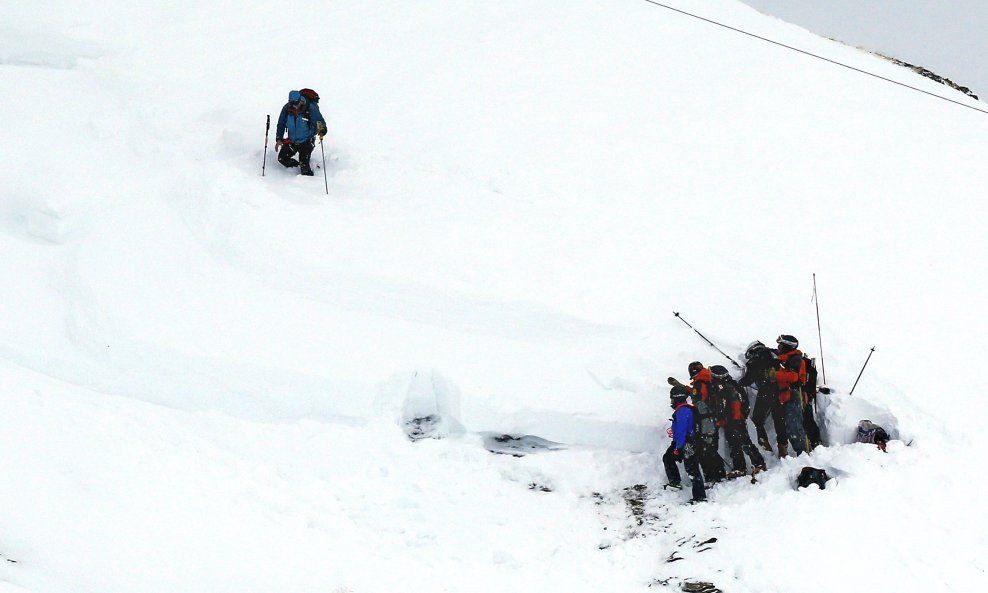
[
  {"x": 869, "y": 432},
  {"x": 519, "y": 446}
]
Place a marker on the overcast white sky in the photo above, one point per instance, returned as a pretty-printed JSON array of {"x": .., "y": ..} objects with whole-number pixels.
[{"x": 949, "y": 37}]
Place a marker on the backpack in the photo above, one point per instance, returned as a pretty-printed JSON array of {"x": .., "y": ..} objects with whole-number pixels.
[
  {"x": 869, "y": 432},
  {"x": 812, "y": 475},
  {"x": 310, "y": 95},
  {"x": 726, "y": 390},
  {"x": 811, "y": 376},
  {"x": 745, "y": 402},
  {"x": 704, "y": 420}
]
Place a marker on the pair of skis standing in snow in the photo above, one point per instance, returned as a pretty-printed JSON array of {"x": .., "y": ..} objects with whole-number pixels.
[{"x": 785, "y": 382}]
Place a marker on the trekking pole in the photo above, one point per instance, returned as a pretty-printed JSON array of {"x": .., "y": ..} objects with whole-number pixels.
[
  {"x": 267, "y": 128},
  {"x": 714, "y": 346},
  {"x": 862, "y": 370},
  {"x": 819, "y": 333},
  {"x": 324, "y": 177}
]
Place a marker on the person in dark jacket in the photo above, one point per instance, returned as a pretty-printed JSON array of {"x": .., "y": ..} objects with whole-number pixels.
[
  {"x": 683, "y": 447},
  {"x": 302, "y": 121},
  {"x": 810, "y": 389},
  {"x": 760, "y": 360},
  {"x": 735, "y": 423}
]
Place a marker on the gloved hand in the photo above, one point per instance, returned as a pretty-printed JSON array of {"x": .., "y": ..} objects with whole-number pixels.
[
  {"x": 688, "y": 450},
  {"x": 320, "y": 129},
  {"x": 277, "y": 145}
]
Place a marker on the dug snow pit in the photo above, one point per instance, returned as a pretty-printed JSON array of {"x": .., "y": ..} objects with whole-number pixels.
[{"x": 519, "y": 446}]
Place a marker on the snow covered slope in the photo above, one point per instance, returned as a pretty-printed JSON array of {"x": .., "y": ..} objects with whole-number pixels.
[{"x": 209, "y": 375}]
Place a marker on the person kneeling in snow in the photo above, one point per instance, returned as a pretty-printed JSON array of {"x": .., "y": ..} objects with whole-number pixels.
[
  {"x": 683, "y": 447},
  {"x": 301, "y": 118}
]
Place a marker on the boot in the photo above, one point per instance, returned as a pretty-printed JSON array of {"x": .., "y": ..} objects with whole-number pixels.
[
  {"x": 306, "y": 170},
  {"x": 764, "y": 444},
  {"x": 732, "y": 475},
  {"x": 783, "y": 450}
]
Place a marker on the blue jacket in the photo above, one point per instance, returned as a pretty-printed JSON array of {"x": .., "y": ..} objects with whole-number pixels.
[
  {"x": 301, "y": 126},
  {"x": 682, "y": 425}
]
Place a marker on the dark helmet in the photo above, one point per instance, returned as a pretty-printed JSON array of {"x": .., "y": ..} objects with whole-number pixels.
[
  {"x": 787, "y": 343},
  {"x": 678, "y": 395},
  {"x": 694, "y": 368},
  {"x": 720, "y": 373}
]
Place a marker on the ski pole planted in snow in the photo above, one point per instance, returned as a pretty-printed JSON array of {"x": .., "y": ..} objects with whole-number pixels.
[
  {"x": 819, "y": 333},
  {"x": 714, "y": 346},
  {"x": 862, "y": 370},
  {"x": 324, "y": 177},
  {"x": 267, "y": 128}
]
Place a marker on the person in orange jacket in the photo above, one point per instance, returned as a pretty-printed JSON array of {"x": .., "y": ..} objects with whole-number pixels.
[{"x": 790, "y": 380}]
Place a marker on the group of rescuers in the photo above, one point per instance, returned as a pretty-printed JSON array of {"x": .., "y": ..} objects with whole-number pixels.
[{"x": 785, "y": 384}]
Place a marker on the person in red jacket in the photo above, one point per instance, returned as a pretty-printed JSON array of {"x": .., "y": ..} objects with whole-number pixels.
[
  {"x": 790, "y": 380},
  {"x": 736, "y": 423}
]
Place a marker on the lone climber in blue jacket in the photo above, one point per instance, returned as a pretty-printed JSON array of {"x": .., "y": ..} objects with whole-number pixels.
[
  {"x": 301, "y": 118},
  {"x": 683, "y": 448}
]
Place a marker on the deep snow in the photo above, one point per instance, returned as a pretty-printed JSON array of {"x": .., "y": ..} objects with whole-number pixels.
[{"x": 207, "y": 374}]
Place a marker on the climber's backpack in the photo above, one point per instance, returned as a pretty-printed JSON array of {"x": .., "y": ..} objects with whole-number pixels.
[{"x": 310, "y": 95}]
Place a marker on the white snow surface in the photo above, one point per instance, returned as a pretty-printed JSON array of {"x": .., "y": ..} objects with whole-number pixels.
[{"x": 207, "y": 374}]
